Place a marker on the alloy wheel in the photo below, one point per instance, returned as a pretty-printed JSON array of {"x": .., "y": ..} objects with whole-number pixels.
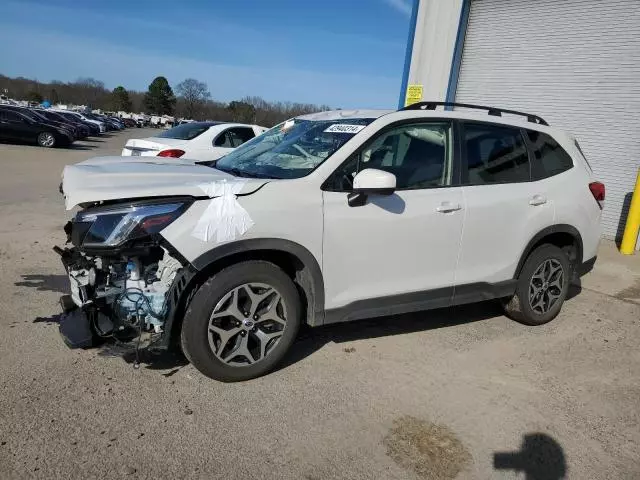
[
  {"x": 47, "y": 139},
  {"x": 546, "y": 286},
  {"x": 246, "y": 324}
]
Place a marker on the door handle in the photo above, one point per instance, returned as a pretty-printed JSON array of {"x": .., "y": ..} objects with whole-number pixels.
[
  {"x": 537, "y": 200},
  {"x": 446, "y": 207}
]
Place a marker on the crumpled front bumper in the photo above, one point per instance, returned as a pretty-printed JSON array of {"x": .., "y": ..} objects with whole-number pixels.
[{"x": 75, "y": 329}]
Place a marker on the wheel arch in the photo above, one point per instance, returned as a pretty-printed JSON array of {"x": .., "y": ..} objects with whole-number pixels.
[
  {"x": 561, "y": 235},
  {"x": 297, "y": 261}
]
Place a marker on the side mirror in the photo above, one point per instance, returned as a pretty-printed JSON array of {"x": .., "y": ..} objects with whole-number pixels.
[{"x": 371, "y": 181}]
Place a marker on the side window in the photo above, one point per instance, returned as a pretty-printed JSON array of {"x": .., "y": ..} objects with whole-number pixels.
[
  {"x": 549, "y": 158},
  {"x": 223, "y": 140},
  {"x": 419, "y": 155},
  {"x": 494, "y": 154},
  {"x": 10, "y": 116},
  {"x": 239, "y": 135}
]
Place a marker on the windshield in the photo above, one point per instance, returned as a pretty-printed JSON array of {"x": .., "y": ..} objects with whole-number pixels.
[
  {"x": 292, "y": 149},
  {"x": 186, "y": 131}
]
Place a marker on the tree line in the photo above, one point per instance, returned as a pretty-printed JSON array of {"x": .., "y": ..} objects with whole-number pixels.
[{"x": 191, "y": 99}]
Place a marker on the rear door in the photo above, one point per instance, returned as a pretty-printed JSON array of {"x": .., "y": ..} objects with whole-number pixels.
[{"x": 505, "y": 207}]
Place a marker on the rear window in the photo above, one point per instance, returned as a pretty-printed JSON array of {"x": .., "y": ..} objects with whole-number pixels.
[
  {"x": 549, "y": 158},
  {"x": 494, "y": 154},
  {"x": 186, "y": 131}
]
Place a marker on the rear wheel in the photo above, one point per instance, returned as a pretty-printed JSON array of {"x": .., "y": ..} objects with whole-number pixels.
[
  {"x": 241, "y": 322},
  {"x": 542, "y": 287},
  {"x": 46, "y": 139}
]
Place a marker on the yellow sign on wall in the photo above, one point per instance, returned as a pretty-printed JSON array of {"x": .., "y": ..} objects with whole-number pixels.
[{"x": 414, "y": 95}]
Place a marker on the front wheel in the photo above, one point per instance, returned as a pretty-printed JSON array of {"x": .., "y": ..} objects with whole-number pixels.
[
  {"x": 542, "y": 287},
  {"x": 46, "y": 139},
  {"x": 241, "y": 322}
]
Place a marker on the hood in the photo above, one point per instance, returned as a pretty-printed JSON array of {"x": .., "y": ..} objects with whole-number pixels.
[{"x": 113, "y": 178}]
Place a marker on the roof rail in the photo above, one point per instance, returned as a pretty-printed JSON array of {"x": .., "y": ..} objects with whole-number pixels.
[{"x": 495, "y": 111}]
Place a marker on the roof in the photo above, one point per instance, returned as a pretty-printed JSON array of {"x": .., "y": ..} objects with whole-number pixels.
[
  {"x": 205, "y": 124},
  {"x": 344, "y": 114}
]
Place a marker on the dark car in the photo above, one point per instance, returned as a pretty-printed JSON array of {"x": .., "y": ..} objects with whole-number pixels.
[
  {"x": 108, "y": 123},
  {"x": 118, "y": 122},
  {"x": 39, "y": 118},
  {"x": 17, "y": 126},
  {"x": 93, "y": 128},
  {"x": 129, "y": 122},
  {"x": 83, "y": 131}
]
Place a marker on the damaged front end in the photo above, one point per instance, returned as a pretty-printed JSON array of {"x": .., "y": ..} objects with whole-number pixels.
[{"x": 125, "y": 279}]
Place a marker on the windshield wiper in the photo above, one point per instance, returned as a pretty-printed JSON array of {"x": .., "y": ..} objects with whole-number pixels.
[{"x": 242, "y": 173}]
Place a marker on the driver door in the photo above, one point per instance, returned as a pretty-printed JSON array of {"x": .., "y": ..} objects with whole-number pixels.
[{"x": 395, "y": 253}]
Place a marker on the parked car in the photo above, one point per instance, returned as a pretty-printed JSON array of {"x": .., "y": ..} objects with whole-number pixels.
[
  {"x": 33, "y": 115},
  {"x": 129, "y": 122},
  {"x": 18, "y": 125},
  {"x": 92, "y": 126},
  {"x": 113, "y": 122},
  {"x": 87, "y": 118},
  {"x": 200, "y": 141},
  {"x": 109, "y": 124},
  {"x": 329, "y": 217},
  {"x": 83, "y": 130}
]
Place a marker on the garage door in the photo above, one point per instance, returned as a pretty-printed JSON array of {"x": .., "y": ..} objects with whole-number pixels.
[{"x": 574, "y": 62}]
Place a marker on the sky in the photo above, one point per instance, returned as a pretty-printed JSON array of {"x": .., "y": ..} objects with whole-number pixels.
[{"x": 342, "y": 53}]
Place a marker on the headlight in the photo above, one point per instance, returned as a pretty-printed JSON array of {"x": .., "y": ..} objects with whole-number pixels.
[{"x": 111, "y": 227}]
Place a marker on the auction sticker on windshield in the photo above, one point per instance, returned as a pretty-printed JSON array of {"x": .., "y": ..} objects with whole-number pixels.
[{"x": 344, "y": 128}]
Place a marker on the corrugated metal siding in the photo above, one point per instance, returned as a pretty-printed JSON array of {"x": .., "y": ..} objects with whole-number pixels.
[{"x": 574, "y": 62}]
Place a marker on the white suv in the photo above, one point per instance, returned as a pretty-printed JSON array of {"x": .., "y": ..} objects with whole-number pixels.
[{"x": 325, "y": 218}]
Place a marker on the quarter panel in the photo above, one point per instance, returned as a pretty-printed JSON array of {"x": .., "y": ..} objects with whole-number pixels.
[{"x": 499, "y": 223}]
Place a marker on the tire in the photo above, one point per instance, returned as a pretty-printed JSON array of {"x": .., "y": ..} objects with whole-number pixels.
[
  {"x": 46, "y": 139},
  {"x": 226, "y": 296},
  {"x": 532, "y": 305}
]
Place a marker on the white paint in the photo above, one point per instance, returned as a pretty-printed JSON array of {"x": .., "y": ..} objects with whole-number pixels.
[
  {"x": 433, "y": 45},
  {"x": 201, "y": 148},
  {"x": 113, "y": 178}
]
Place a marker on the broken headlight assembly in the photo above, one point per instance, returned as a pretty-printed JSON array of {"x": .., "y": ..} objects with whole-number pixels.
[
  {"x": 120, "y": 272},
  {"x": 112, "y": 226}
]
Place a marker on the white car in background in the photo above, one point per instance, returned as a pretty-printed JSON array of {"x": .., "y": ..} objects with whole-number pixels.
[{"x": 199, "y": 141}]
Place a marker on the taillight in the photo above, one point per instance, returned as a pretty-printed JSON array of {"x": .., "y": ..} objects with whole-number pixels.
[
  {"x": 173, "y": 153},
  {"x": 597, "y": 190}
]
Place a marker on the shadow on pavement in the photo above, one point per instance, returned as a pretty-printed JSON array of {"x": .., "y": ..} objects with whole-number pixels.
[
  {"x": 45, "y": 283},
  {"x": 540, "y": 458},
  {"x": 311, "y": 340},
  {"x": 151, "y": 359},
  {"x": 82, "y": 147}
]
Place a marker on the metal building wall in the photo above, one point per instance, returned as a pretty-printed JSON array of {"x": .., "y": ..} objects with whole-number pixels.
[
  {"x": 577, "y": 64},
  {"x": 436, "y": 28}
]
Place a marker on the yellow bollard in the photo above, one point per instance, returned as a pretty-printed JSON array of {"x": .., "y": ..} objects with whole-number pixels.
[{"x": 630, "y": 237}]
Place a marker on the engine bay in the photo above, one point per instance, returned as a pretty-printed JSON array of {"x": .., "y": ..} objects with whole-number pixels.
[{"x": 121, "y": 294}]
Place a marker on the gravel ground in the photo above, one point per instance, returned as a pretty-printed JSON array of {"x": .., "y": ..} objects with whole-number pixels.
[{"x": 433, "y": 395}]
